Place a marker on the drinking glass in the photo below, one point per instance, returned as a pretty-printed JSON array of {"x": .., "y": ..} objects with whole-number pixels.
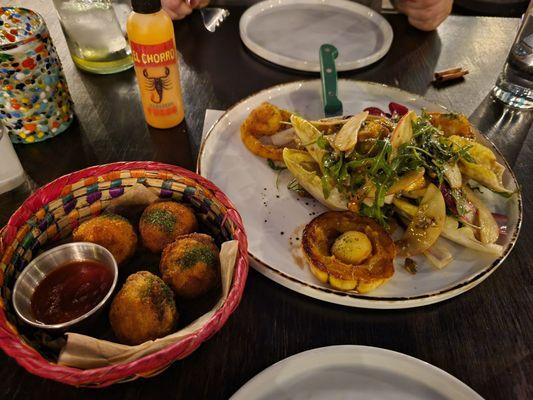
[
  {"x": 95, "y": 39},
  {"x": 35, "y": 103},
  {"x": 515, "y": 84},
  {"x": 11, "y": 172}
]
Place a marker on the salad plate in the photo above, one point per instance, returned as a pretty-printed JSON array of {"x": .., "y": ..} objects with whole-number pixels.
[
  {"x": 275, "y": 216},
  {"x": 289, "y": 32},
  {"x": 352, "y": 373}
]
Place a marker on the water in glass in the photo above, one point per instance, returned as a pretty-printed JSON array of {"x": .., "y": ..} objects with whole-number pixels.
[
  {"x": 515, "y": 84},
  {"x": 94, "y": 36}
]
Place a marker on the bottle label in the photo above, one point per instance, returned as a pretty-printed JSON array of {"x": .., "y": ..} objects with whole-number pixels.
[
  {"x": 157, "y": 71},
  {"x": 153, "y": 55}
]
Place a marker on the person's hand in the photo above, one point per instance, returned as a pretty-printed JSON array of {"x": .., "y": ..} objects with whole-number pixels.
[
  {"x": 425, "y": 15},
  {"x": 178, "y": 9}
]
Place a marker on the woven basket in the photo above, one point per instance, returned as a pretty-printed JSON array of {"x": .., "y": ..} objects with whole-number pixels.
[{"x": 54, "y": 210}]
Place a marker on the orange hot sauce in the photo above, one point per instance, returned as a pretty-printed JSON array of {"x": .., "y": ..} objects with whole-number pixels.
[{"x": 155, "y": 59}]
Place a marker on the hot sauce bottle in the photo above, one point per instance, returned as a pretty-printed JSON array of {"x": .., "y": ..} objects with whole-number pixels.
[{"x": 155, "y": 59}]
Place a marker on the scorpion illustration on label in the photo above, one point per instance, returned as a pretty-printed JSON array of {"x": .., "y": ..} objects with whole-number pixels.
[{"x": 157, "y": 84}]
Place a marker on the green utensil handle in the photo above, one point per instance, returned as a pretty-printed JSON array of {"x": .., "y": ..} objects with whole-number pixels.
[{"x": 328, "y": 74}]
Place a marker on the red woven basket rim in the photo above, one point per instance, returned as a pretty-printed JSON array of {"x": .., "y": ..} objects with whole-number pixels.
[{"x": 33, "y": 362}]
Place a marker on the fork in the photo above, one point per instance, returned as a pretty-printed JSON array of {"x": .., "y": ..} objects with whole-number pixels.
[{"x": 213, "y": 17}]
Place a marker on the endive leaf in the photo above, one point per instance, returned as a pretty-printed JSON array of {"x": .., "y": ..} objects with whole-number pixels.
[
  {"x": 451, "y": 231},
  {"x": 406, "y": 180},
  {"x": 309, "y": 135},
  {"x": 403, "y": 132},
  {"x": 307, "y": 172},
  {"x": 465, "y": 237},
  {"x": 489, "y": 230},
  {"x": 452, "y": 173},
  {"x": 485, "y": 169},
  {"x": 346, "y": 138}
]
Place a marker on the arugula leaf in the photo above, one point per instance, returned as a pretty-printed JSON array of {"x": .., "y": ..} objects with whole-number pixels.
[
  {"x": 322, "y": 142},
  {"x": 429, "y": 149},
  {"x": 326, "y": 186},
  {"x": 273, "y": 165},
  {"x": 294, "y": 186},
  {"x": 465, "y": 155},
  {"x": 277, "y": 168}
]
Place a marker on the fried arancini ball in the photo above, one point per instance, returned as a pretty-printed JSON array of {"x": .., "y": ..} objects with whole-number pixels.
[
  {"x": 143, "y": 309},
  {"x": 190, "y": 265},
  {"x": 163, "y": 222},
  {"x": 111, "y": 231}
]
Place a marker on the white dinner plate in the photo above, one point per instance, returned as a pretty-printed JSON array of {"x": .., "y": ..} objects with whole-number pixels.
[
  {"x": 290, "y": 32},
  {"x": 275, "y": 216},
  {"x": 354, "y": 373}
]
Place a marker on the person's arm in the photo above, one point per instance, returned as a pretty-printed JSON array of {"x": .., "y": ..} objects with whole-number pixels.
[{"x": 425, "y": 15}]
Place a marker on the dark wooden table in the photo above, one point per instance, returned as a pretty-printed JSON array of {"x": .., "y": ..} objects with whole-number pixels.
[{"x": 483, "y": 337}]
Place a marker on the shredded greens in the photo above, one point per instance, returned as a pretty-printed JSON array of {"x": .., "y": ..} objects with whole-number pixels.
[
  {"x": 294, "y": 186},
  {"x": 373, "y": 172},
  {"x": 429, "y": 149},
  {"x": 277, "y": 168},
  {"x": 274, "y": 166}
]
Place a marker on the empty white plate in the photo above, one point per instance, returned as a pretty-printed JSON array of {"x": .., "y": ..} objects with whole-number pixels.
[
  {"x": 354, "y": 372},
  {"x": 290, "y": 32}
]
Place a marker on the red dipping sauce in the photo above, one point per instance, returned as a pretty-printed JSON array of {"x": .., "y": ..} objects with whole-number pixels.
[{"x": 71, "y": 291}]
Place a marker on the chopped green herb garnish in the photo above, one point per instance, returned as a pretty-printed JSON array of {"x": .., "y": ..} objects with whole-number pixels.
[
  {"x": 155, "y": 285},
  {"x": 163, "y": 219},
  {"x": 201, "y": 253}
]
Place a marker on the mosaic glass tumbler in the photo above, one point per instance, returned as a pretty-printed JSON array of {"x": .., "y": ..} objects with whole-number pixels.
[{"x": 35, "y": 103}]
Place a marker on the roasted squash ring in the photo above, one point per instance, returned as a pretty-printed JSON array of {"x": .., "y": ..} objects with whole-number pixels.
[
  {"x": 265, "y": 120},
  {"x": 318, "y": 238},
  {"x": 452, "y": 124},
  {"x": 253, "y": 144}
]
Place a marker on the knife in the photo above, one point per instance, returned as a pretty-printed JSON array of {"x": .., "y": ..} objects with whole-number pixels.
[{"x": 328, "y": 74}]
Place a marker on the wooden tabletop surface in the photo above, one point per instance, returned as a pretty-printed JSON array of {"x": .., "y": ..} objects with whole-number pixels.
[{"x": 483, "y": 337}]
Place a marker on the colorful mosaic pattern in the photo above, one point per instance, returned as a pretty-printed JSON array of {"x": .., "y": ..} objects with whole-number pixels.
[{"x": 35, "y": 103}]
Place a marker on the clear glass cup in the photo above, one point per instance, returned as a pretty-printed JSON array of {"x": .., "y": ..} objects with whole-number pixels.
[
  {"x": 11, "y": 172},
  {"x": 94, "y": 36},
  {"x": 515, "y": 84}
]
